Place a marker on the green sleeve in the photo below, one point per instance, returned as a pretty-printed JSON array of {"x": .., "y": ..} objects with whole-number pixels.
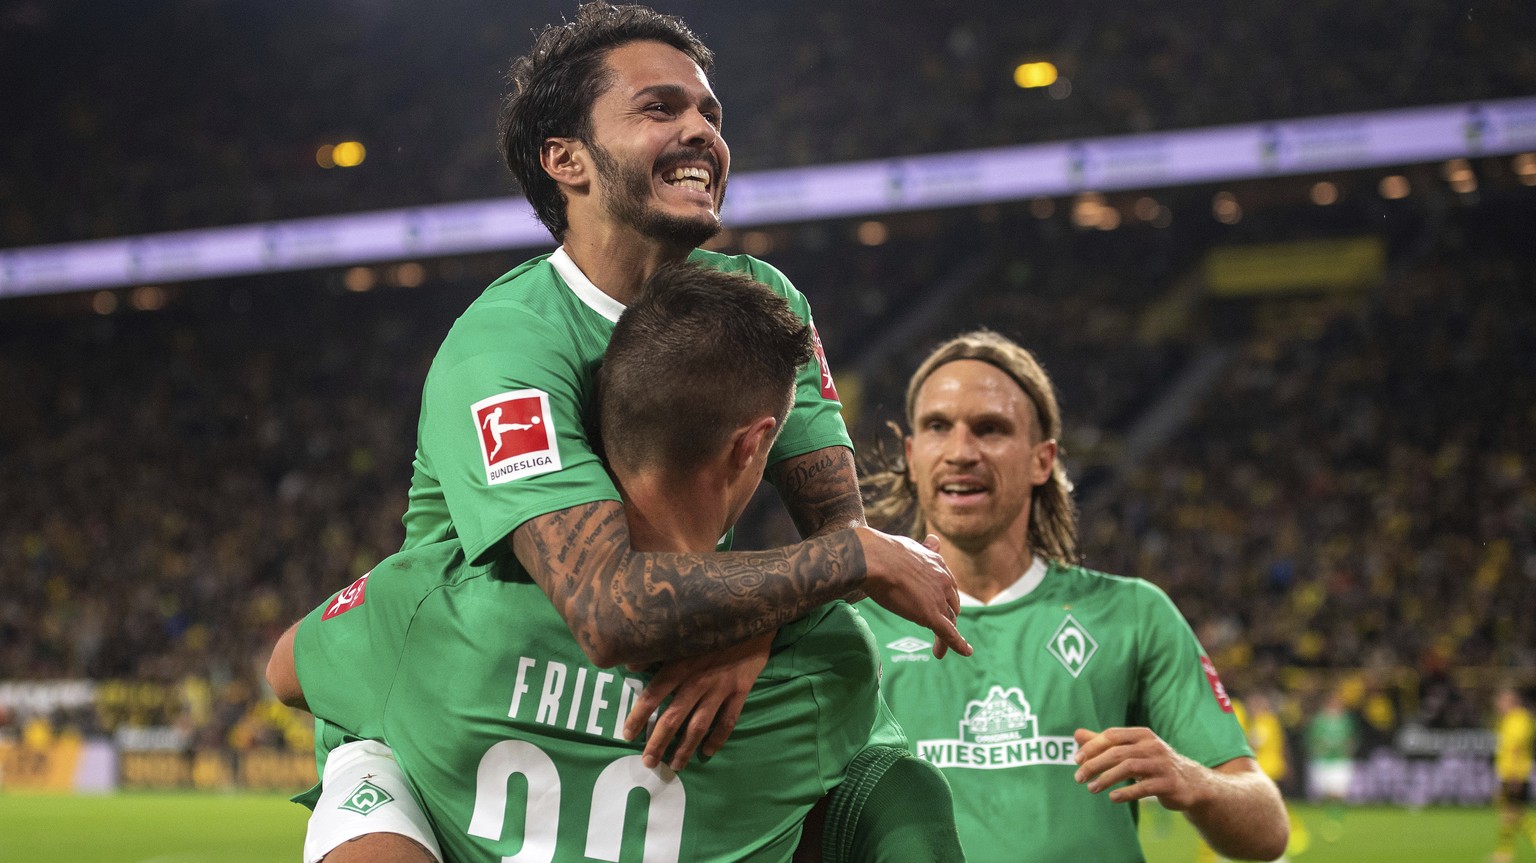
[
  {"x": 1181, "y": 697},
  {"x": 347, "y": 650},
  {"x": 528, "y": 366},
  {"x": 816, "y": 420},
  {"x": 892, "y": 807}
]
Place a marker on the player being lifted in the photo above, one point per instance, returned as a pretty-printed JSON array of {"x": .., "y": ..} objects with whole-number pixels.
[
  {"x": 614, "y": 134},
  {"x": 514, "y": 741}
]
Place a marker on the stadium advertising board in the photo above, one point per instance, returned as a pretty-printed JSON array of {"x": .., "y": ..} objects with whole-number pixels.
[{"x": 1211, "y": 154}]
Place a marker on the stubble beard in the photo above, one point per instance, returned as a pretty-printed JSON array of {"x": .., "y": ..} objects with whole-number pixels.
[{"x": 627, "y": 192}]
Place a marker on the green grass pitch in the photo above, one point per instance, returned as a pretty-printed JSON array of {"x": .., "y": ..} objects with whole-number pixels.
[{"x": 250, "y": 828}]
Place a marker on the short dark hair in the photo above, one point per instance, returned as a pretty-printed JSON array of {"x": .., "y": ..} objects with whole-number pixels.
[
  {"x": 699, "y": 354},
  {"x": 553, "y": 86}
]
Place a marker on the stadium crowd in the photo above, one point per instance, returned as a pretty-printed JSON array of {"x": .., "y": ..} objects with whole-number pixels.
[
  {"x": 238, "y": 97},
  {"x": 1345, "y": 511},
  {"x": 1349, "y": 505}
]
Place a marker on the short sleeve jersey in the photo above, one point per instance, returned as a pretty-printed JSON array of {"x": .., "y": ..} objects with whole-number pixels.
[
  {"x": 512, "y": 744},
  {"x": 1081, "y": 650},
  {"x": 501, "y": 436},
  {"x": 1331, "y": 737}
]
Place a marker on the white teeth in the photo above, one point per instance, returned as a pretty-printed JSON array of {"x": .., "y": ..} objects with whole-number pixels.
[
  {"x": 696, "y": 179},
  {"x": 956, "y": 488}
]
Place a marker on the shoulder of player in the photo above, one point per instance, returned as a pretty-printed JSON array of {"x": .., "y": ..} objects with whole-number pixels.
[
  {"x": 760, "y": 270},
  {"x": 517, "y": 303},
  {"x": 1137, "y": 591},
  {"x": 877, "y": 619},
  {"x": 1092, "y": 578}
]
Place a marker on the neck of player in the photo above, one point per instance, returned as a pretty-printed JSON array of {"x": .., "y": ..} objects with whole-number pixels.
[
  {"x": 983, "y": 568},
  {"x": 676, "y": 514},
  {"x": 617, "y": 258}
]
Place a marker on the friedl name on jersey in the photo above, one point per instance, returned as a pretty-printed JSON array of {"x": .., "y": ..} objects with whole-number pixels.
[
  {"x": 574, "y": 698},
  {"x": 520, "y": 465},
  {"x": 1027, "y": 752}
]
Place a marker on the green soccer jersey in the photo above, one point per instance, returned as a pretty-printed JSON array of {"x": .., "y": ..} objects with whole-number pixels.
[
  {"x": 1331, "y": 737},
  {"x": 1082, "y": 650},
  {"x": 510, "y": 737},
  {"x": 502, "y": 438}
]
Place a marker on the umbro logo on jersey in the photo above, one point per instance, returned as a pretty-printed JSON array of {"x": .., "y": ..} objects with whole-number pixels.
[
  {"x": 1072, "y": 646},
  {"x": 349, "y": 598},
  {"x": 365, "y": 798},
  {"x": 909, "y": 649},
  {"x": 517, "y": 435}
]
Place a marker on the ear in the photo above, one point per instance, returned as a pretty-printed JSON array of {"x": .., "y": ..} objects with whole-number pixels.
[
  {"x": 751, "y": 443},
  {"x": 1044, "y": 459},
  {"x": 906, "y": 456},
  {"x": 565, "y": 161}
]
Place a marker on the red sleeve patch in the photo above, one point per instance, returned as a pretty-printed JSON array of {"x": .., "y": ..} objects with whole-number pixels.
[
  {"x": 1214, "y": 680},
  {"x": 828, "y": 389},
  {"x": 517, "y": 435},
  {"x": 350, "y": 597}
]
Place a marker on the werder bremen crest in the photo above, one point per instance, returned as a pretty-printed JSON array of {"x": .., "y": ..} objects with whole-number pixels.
[
  {"x": 365, "y": 798},
  {"x": 998, "y": 732},
  {"x": 1072, "y": 645}
]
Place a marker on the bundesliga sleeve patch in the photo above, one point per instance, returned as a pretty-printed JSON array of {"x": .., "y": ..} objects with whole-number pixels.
[
  {"x": 1214, "y": 680},
  {"x": 828, "y": 389},
  {"x": 350, "y": 597},
  {"x": 517, "y": 435}
]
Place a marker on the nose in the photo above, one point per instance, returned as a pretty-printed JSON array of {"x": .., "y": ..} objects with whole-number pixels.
[
  {"x": 960, "y": 446},
  {"x": 699, "y": 132}
]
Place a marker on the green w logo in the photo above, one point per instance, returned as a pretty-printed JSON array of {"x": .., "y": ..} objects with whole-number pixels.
[{"x": 365, "y": 798}]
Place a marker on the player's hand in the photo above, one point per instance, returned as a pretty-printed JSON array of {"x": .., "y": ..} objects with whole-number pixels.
[
  {"x": 1137, "y": 755},
  {"x": 707, "y": 693},
  {"x": 913, "y": 581}
]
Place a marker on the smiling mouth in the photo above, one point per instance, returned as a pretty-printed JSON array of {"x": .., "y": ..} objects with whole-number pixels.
[
  {"x": 961, "y": 489},
  {"x": 693, "y": 179}
]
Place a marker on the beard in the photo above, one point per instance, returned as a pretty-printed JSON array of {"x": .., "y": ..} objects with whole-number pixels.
[{"x": 627, "y": 192}]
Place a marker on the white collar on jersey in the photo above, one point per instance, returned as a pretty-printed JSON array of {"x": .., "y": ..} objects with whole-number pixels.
[
  {"x": 1022, "y": 587},
  {"x": 583, "y": 288}
]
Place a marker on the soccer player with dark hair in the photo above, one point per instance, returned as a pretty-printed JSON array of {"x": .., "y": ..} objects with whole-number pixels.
[
  {"x": 614, "y": 133},
  {"x": 430, "y": 666},
  {"x": 1080, "y": 678}
]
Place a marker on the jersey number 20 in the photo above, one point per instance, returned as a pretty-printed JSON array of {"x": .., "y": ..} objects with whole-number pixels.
[{"x": 610, "y": 793}]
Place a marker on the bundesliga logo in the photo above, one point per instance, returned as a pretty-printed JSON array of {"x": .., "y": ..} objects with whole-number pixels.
[
  {"x": 1217, "y": 689},
  {"x": 517, "y": 436},
  {"x": 350, "y": 597},
  {"x": 828, "y": 389}
]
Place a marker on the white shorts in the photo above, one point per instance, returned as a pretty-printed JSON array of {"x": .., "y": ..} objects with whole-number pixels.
[
  {"x": 364, "y": 791},
  {"x": 1332, "y": 778}
]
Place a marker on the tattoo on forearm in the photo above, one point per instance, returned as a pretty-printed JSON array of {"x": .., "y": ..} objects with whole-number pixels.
[
  {"x": 821, "y": 491},
  {"x": 628, "y": 606}
]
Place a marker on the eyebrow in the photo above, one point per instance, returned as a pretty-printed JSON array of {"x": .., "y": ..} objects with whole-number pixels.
[
  {"x": 984, "y": 416},
  {"x": 676, "y": 92}
]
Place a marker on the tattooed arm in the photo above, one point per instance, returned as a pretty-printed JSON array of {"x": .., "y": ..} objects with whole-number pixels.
[
  {"x": 820, "y": 489},
  {"x": 629, "y": 607}
]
